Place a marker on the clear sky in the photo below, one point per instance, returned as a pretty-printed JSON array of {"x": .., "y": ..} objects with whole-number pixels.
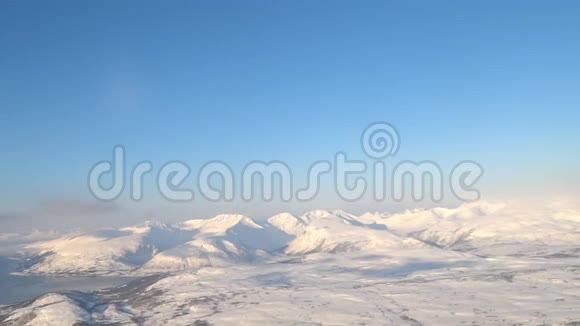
[{"x": 497, "y": 82}]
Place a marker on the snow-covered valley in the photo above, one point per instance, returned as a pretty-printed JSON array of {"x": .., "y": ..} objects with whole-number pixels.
[{"x": 480, "y": 263}]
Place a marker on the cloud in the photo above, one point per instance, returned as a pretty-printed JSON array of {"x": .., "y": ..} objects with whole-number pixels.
[
  {"x": 73, "y": 207},
  {"x": 62, "y": 214}
]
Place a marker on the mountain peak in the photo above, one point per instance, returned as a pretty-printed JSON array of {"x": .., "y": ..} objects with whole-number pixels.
[
  {"x": 288, "y": 223},
  {"x": 318, "y": 213}
]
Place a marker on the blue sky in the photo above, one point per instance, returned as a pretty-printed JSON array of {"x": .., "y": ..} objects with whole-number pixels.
[{"x": 492, "y": 81}]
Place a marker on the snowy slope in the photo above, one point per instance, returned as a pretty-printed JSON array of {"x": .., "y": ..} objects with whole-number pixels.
[
  {"x": 288, "y": 223},
  {"x": 487, "y": 228},
  {"x": 155, "y": 247},
  {"x": 489, "y": 264},
  {"x": 500, "y": 228},
  {"x": 49, "y": 309},
  {"x": 337, "y": 231},
  {"x": 409, "y": 288},
  {"x": 103, "y": 251},
  {"x": 416, "y": 220},
  {"x": 482, "y": 228},
  {"x": 220, "y": 241}
]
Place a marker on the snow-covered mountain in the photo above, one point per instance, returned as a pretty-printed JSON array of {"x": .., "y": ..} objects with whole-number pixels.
[
  {"x": 288, "y": 223},
  {"x": 51, "y": 309},
  {"x": 232, "y": 238},
  {"x": 403, "y": 288},
  {"x": 484, "y": 225},
  {"x": 480, "y": 263},
  {"x": 104, "y": 251},
  {"x": 337, "y": 231},
  {"x": 220, "y": 241},
  {"x": 416, "y": 220}
]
